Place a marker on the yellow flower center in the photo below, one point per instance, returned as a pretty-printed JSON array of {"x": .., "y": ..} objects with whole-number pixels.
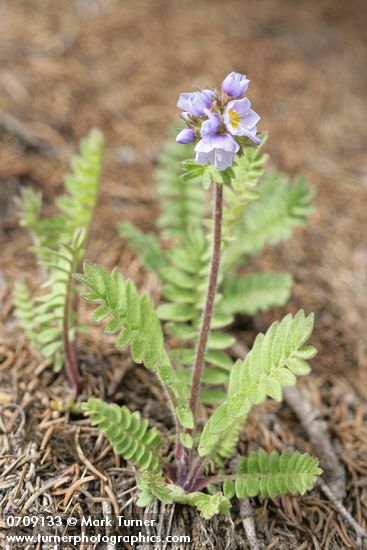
[{"x": 234, "y": 118}]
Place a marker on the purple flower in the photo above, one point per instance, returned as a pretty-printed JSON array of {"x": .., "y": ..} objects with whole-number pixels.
[
  {"x": 196, "y": 103},
  {"x": 235, "y": 84},
  {"x": 219, "y": 150},
  {"x": 241, "y": 120},
  {"x": 211, "y": 125},
  {"x": 220, "y": 120},
  {"x": 187, "y": 135}
]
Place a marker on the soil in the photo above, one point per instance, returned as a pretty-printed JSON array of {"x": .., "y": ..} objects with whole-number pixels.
[{"x": 120, "y": 65}]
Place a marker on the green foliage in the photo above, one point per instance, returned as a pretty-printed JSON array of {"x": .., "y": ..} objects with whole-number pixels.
[
  {"x": 131, "y": 315},
  {"x": 183, "y": 206},
  {"x": 226, "y": 445},
  {"x": 259, "y": 474},
  {"x": 75, "y": 209},
  {"x": 29, "y": 206},
  {"x": 44, "y": 317},
  {"x": 82, "y": 184},
  {"x": 24, "y": 308},
  {"x": 136, "y": 322},
  {"x": 256, "y": 292},
  {"x": 247, "y": 171},
  {"x": 184, "y": 287},
  {"x": 275, "y": 359},
  {"x": 154, "y": 487},
  {"x": 46, "y": 232},
  {"x": 272, "y": 475},
  {"x": 273, "y": 362},
  {"x": 207, "y": 505},
  {"x": 129, "y": 435},
  {"x": 256, "y": 212},
  {"x": 261, "y": 212},
  {"x": 145, "y": 245},
  {"x": 192, "y": 173},
  {"x": 58, "y": 242},
  {"x": 282, "y": 206},
  {"x": 183, "y": 268}
]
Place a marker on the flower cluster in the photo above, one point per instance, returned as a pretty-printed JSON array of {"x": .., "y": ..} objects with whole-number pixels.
[{"x": 217, "y": 120}]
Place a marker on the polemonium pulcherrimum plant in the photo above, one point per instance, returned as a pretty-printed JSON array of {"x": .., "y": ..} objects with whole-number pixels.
[{"x": 223, "y": 126}]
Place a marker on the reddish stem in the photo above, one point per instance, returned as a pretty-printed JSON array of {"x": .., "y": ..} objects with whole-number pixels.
[
  {"x": 195, "y": 471},
  {"x": 194, "y": 468},
  {"x": 209, "y": 303}
]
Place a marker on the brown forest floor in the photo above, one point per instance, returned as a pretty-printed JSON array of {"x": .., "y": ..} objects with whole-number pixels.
[{"x": 67, "y": 66}]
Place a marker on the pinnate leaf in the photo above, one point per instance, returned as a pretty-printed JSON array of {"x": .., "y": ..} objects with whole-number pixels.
[
  {"x": 129, "y": 435},
  {"x": 272, "y": 475}
]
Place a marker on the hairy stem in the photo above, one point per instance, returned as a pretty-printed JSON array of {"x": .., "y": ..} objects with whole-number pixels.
[
  {"x": 209, "y": 303},
  {"x": 194, "y": 468}
]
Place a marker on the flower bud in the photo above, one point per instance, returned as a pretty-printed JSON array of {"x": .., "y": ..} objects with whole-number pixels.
[
  {"x": 187, "y": 135},
  {"x": 235, "y": 84}
]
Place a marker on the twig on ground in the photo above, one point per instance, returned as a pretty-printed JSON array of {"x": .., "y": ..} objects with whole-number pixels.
[
  {"x": 169, "y": 527},
  {"x": 75, "y": 486},
  {"x": 85, "y": 461},
  {"x": 247, "y": 514},
  {"x": 31, "y": 139},
  {"x": 17, "y": 462},
  {"x": 162, "y": 511},
  {"x": 230, "y": 533},
  {"x": 48, "y": 485},
  {"x": 127, "y": 503},
  {"x": 361, "y": 533},
  {"x": 247, "y": 517},
  {"x": 20, "y": 130},
  {"x": 112, "y": 497},
  {"x": 317, "y": 431},
  {"x": 107, "y": 513}
]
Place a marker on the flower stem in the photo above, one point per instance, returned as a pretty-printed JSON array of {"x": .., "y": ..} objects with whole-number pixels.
[{"x": 209, "y": 302}]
